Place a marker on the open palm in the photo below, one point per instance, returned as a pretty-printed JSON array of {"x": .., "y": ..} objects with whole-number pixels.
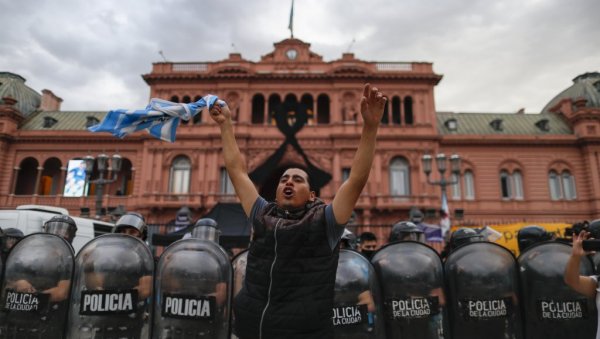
[{"x": 372, "y": 105}]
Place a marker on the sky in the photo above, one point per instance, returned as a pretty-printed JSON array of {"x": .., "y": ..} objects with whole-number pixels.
[{"x": 495, "y": 56}]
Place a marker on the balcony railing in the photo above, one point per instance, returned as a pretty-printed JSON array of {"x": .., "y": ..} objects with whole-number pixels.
[{"x": 190, "y": 67}]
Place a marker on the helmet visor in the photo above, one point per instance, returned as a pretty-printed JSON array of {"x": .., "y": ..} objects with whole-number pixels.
[
  {"x": 62, "y": 229},
  {"x": 413, "y": 236},
  {"x": 206, "y": 233},
  {"x": 131, "y": 220}
]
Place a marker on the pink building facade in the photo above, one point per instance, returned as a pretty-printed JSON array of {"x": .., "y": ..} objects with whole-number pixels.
[{"x": 515, "y": 167}]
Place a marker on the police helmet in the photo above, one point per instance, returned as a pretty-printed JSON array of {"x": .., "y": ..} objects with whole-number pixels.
[
  {"x": 206, "y": 229},
  {"x": 132, "y": 220},
  {"x": 406, "y": 230},
  {"x": 62, "y": 225},
  {"x": 13, "y": 233},
  {"x": 464, "y": 235},
  {"x": 530, "y": 235},
  {"x": 594, "y": 229},
  {"x": 11, "y": 238},
  {"x": 348, "y": 239}
]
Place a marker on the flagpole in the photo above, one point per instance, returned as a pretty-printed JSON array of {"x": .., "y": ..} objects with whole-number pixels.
[{"x": 291, "y": 24}]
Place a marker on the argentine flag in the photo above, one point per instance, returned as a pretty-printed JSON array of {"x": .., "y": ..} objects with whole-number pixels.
[{"x": 160, "y": 118}]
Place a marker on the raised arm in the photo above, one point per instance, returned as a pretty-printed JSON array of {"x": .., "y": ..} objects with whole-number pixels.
[
  {"x": 581, "y": 284},
  {"x": 234, "y": 162},
  {"x": 371, "y": 108}
]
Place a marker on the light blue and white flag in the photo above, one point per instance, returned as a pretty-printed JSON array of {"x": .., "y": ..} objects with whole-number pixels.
[{"x": 160, "y": 118}]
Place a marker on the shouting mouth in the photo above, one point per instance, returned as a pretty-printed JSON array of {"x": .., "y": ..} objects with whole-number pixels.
[{"x": 288, "y": 192}]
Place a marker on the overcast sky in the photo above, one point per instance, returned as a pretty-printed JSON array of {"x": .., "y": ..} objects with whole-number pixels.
[{"x": 495, "y": 56}]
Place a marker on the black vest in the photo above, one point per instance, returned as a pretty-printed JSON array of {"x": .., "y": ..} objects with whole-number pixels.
[{"x": 290, "y": 277}]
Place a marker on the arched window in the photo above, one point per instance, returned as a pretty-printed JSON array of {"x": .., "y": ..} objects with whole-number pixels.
[
  {"x": 385, "y": 119},
  {"x": 274, "y": 102},
  {"x": 323, "y": 109},
  {"x": 455, "y": 187},
  {"x": 554, "y": 185},
  {"x": 408, "y": 111},
  {"x": 396, "y": 116},
  {"x": 50, "y": 180},
  {"x": 469, "y": 185},
  {"x": 179, "y": 181},
  {"x": 291, "y": 97},
  {"x": 186, "y": 99},
  {"x": 399, "y": 177},
  {"x": 562, "y": 186},
  {"x": 307, "y": 100},
  {"x": 26, "y": 178},
  {"x": 174, "y": 98},
  {"x": 568, "y": 184},
  {"x": 511, "y": 185},
  {"x": 258, "y": 109}
]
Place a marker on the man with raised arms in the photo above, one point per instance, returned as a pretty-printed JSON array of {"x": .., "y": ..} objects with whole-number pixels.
[{"x": 293, "y": 256}]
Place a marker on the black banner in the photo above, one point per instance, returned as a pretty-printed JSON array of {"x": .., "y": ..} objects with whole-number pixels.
[
  {"x": 25, "y": 302},
  {"x": 350, "y": 315},
  {"x": 400, "y": 309},
  {"x": 188, "y": 307},
  {"x": 560, "y": 310},
  {"x": 108, "y": 302},
  {"x": 486, "y": 309}
]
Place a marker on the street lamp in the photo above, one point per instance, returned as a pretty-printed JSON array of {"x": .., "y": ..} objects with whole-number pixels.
[
  {"x": 103, "y": 166},
  {"x": 441, "y": 161}
]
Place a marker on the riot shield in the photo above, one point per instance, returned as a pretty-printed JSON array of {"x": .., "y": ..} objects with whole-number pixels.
[
  {"x": 357, "y": 299},
  {"x": 193, "y": 298},
  {"x": 112, "y": 289},
  {"x": 412, "y": 285},
  {"x": 483, "y": 292},
  {"x": 552, "y": 309},
  {"x": 35, "y": 292},
  {"x": 239, "y": 274}
]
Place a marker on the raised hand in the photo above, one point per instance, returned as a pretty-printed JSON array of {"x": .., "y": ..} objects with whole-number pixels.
[
  {"x": 577, "y": 244},
  {"x": 372, "y": 105},
  {"x": 220, "y": 112}
]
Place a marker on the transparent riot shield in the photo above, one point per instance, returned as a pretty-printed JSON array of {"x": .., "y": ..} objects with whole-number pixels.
[
  {"x": 357, "y": 299},
  {"x": 35, "y": 292},
  {"x": 483, "y": 292},
  {"x": 552, "y": 309},
  {"x": 112, "y": 289},
  {"x": 193, "y": 291},
  {"x": 412, "y": 285},
  {"x": 239, "y": 274}
]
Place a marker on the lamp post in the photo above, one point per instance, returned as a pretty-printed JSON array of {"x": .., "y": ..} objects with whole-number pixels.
[
  {"x": 103, "y": 166},
  {"x": 441, "y": 161}
]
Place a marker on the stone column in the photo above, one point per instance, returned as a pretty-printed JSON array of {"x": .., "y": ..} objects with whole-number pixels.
[
  {"x": 37, "y": 180},
  {"x": 13, "y": 182}
]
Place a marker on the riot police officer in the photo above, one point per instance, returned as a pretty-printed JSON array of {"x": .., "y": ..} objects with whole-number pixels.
[
  {"x": 194, "y": 271},
  {"x": 63, "y": 226},
  {"x": 9, "y": 240},
  {"x": 132, "y": 223},
  {"x": 529, "y": 235},
  {"x": 461, "y": 236},
  {"x": 406, "y": 230},
  {"x": 36, "y": 287}
]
